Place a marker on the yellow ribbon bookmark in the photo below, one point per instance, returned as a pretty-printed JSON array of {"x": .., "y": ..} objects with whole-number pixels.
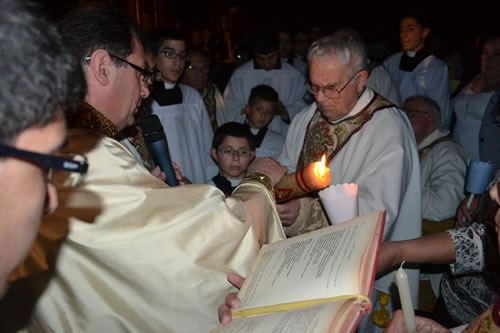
[{"x": 294, "y": 305}]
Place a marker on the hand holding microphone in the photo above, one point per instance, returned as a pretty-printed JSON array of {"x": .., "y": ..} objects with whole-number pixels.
[{"x": 155, "y": 139}]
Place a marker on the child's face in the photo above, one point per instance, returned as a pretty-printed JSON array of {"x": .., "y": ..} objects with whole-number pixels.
[
  {"x": 233, "y": 157},
  {"x": 260, "y": 113}
]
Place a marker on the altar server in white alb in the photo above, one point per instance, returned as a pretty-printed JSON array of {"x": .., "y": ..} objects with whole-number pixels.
[
  {"x": 262, "y": 106},
  {"x": 181, "y": 111},
  {"x": 367, "y": 141},
  {"x": 416, "y": 69},
  {"x": 266, "y": 68}
]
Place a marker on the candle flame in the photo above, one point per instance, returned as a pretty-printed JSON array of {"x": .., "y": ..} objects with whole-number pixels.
[{"x": 322, "y": 166}]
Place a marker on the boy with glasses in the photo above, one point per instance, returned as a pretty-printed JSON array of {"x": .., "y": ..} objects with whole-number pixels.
[
  {"x": 232, "y": 149},
  {"x": 181, "y": 110}
]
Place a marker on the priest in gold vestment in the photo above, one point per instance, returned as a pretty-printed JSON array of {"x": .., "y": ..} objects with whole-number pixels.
[{"x": 124, "y": 252}]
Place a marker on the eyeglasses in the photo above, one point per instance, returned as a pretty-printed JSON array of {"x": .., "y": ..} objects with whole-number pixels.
[
  {"x": 171, "y": 54},
  {"x": 329, "y": 91},
  {"x": 198, "y": 69},
  {"x": 58, "y": 167},
  {"x": 146, "y": 76},
  {"x": 412, "y": 113},
  {"x": 229, "y": 152}
]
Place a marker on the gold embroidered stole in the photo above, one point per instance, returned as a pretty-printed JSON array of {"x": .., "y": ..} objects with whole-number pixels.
[
  {"x": 424, "y": 151},
  {"x": 323, "y": 137},
  {"x": 92, "y": 119}
]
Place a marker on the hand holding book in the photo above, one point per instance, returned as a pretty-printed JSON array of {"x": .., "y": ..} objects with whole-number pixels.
[{"x": 317, "y": 282}]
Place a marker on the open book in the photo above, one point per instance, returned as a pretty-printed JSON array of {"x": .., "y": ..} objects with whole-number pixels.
[{"x": 316, "y": 282}]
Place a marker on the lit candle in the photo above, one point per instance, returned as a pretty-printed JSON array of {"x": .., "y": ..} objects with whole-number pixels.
[
  {"x": 405, "y": 298},
  {"x": 312, "y": 178}
]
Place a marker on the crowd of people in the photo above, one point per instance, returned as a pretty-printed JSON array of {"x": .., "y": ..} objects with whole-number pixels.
[{"x": 93, "y": 239}]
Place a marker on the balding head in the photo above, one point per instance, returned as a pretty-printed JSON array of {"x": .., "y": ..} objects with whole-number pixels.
[{"x": 424, "y": 114}]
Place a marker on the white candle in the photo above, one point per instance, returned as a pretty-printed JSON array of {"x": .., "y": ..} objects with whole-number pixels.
[{"x": 405, "y": 297}]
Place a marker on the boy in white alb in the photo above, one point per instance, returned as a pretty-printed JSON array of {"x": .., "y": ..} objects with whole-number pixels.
[{"x": 260, "y": 110}]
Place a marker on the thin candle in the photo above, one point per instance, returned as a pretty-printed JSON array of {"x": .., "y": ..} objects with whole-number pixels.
[{"x": 405, "y": 298}]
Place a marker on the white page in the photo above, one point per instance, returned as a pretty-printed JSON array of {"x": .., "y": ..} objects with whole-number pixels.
[{"x": 321, "y": 264}]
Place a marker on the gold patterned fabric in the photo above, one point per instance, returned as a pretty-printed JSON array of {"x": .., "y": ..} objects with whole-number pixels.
[
  {"x": 134, "y": 135},
  {"x": 323, "y": 137},
  {"x": 311, "y": 217},
  {"x": 90, "y": 118}
]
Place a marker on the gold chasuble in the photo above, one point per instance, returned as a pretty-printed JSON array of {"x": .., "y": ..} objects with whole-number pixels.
[
  {"x": 324, "y": 137},
  {"x": 124, "y": 252}
]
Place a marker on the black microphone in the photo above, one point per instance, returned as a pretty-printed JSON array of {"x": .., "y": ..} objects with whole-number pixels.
[{"x": 156, "y": 141}]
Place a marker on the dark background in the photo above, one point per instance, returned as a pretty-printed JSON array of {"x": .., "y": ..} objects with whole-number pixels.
[
  {"x": 455, "y": 24},
  {"x": 455, "y": 27}
]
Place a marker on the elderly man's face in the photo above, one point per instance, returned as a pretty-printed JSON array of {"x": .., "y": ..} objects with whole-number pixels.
[
  {"x": 25, "y": 195},
  {"x": 331, "y": 75},
  {"x": 267, "y": 61},
  {"x": 196, "y": 74},
  {"x": 421, "y": 120}
]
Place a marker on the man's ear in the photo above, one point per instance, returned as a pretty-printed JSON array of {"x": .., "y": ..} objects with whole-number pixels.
[
  {"x": 361, "y": 80},
  {"x": 101, "y": 66},
  {"x": 247, "y": 109}
]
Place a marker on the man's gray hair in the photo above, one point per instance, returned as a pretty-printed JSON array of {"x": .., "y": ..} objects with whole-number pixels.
[
  {"x": 349, "y": 49},
  {"x": 428, "y": 105}
]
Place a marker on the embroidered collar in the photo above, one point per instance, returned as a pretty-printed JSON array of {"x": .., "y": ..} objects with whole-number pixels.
[
  {"x": 323, "y": 137},
  {"x": 88, "y": 117}
]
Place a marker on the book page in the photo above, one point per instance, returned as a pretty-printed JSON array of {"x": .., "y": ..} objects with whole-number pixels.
[
  {"x": 321, "y": 264},
  {"x": 341, "y": 316}
]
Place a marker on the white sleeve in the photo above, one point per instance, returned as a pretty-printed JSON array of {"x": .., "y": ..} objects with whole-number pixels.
[
  {"x": 234, "y": 99},
  {"x": 443, "y": 188}
]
